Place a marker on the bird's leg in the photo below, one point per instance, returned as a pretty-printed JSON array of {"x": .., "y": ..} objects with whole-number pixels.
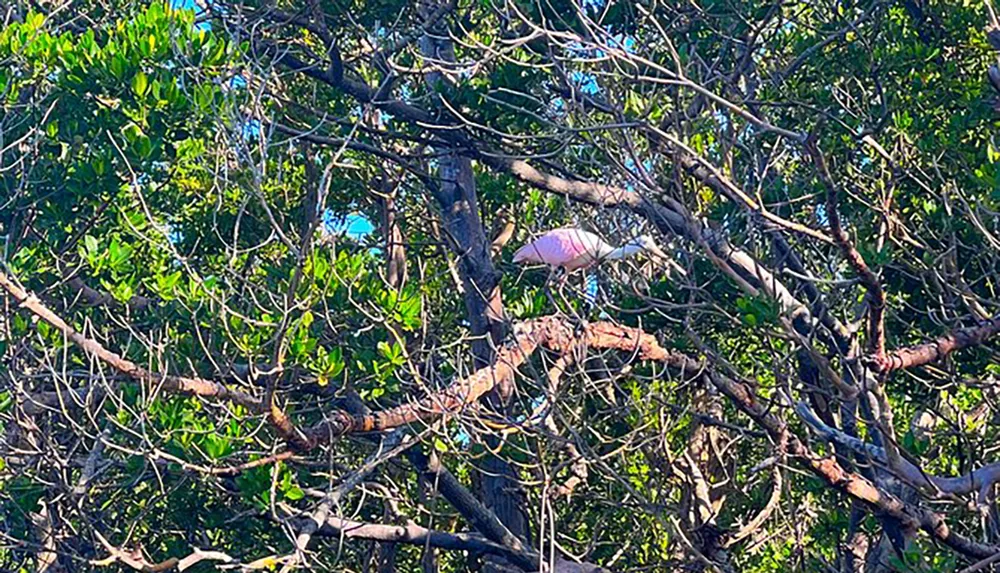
[
  {"x": 589, "y": 300},
  {"x": 558, "y": 276},
  {"x": 596, "y": 296}
]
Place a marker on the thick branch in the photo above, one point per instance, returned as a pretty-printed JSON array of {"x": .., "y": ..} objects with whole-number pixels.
[
  {"x": 136, "y": 561},
  {"x": 670, "y": 219},
  {"x": 477, "y": 514},
  {"x": 979, "y": 481},
  {"x": 412, "y": 534},
  {"x": 937, "y": 349},
  {"x": 550, "y": 332},
  {"x": 556, "y": 335},
  {"x": 851, "y": 484}
]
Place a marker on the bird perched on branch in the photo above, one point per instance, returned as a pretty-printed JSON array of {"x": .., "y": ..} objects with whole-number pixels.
[{"x": 569, "y": 249}]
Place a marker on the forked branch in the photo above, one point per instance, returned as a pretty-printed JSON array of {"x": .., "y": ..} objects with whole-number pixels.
[{"x": 557, "y": 335}]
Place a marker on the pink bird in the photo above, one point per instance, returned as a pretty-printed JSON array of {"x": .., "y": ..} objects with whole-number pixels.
[{"x": 571, "y": 249}]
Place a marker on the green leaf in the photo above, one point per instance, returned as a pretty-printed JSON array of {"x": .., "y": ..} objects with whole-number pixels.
[
  {"x": 117, "y": 66},
  {"x": 35, "y": 20},
  {"x": 144, "y": 147},
  {"x": 140, "y": 84},
  {"x": 384, "y": 349},
  {"x": 132, "y": 132},
  {"x": 295, "y": 493},
  {"x": 91, "y": 243}
]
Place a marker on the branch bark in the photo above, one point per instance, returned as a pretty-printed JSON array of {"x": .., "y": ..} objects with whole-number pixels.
[
  {"x": 876, "y": 316},
  {"x": 938, "y": 348},
  {"x": 555, "y": 334}
]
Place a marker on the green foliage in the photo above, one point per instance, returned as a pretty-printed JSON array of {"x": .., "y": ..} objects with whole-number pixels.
[{"x": 147, "y": 152}]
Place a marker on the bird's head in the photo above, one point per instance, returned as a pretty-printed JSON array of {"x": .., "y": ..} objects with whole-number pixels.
[{"x": 647, "y": 244}]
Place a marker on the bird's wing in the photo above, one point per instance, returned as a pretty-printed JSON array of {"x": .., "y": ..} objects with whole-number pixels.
[
  {"x": 529, "y": 253},
  {"x": 576, "y": 243},
  {"x": 561, "y": 247},
  {"x": 547, "y": 249}
]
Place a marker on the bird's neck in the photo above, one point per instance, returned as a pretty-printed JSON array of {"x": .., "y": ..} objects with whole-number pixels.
[{"x": 623, "y": 251}]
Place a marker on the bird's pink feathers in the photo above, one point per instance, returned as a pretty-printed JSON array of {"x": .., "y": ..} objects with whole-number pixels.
[{"x": 567, "y": 247}]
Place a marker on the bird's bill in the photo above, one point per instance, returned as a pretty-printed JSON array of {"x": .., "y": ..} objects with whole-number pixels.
[
  {"x": 665, "y": 259},
  {"x": 657, "y": 252}
]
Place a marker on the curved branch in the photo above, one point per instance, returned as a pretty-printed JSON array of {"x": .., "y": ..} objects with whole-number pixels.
[
  {"x": 876, "y": 318},
  {"x": 136, "y": 561},
  {"x": 553, "y": 333},
  {"x": 413, "y": 534},
  {"x": 157, "y": 381},
  {"x": 670, "y": 219},
  {"x": 559, "y": 336},
  {"x": 764, "y": 514}
]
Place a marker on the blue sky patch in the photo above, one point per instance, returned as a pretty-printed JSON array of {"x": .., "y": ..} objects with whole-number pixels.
[{"x": 354, "y": 225}]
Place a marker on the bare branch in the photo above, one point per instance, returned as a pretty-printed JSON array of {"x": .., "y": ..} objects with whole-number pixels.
[{"x": 929, "y": 352}]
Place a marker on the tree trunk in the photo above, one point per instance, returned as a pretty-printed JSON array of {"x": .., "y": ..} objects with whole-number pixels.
[{"x": 456, "y": 196}]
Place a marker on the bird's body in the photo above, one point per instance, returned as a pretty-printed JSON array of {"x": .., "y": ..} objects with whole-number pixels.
[
  {"x": 569, "y": 249},
  {"x": 572, "y": 249}
]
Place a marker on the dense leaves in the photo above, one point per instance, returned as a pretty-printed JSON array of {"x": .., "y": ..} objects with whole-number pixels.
[{"x": 306, "y": 201}]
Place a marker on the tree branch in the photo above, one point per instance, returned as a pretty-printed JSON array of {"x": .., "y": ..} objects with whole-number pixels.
[
  {"x": 556, "y": 335},
  {"x": 164, "y": 382},
  {"x": 979, "y": 481},
  {"x": 938, "y": 348},
  {"x": 851, "y": 484},
  {"x": 876, "y": 317},
  {"x": 413, "y": 534}
]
